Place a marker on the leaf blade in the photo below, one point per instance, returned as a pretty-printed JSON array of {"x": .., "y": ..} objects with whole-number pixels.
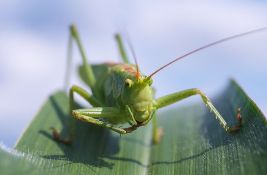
[{"x": 193, "y": 142}]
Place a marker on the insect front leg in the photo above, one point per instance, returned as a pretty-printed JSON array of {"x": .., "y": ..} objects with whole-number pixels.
[
  {"x": 93, "y": 115},
  {"x": 175, "y": 97}
]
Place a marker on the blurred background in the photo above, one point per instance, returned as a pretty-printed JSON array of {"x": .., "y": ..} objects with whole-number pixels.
[{"x": 33, "y": 47}]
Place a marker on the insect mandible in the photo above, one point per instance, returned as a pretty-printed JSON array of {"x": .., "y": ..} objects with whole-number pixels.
[{"x": 121, "y": 94}]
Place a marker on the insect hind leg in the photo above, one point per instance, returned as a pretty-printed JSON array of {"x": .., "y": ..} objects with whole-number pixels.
[
  {"x": 57, "y": 137},
  {"x": 121, "y": 48},
  {"x": 86, "y": 68},
  {"x": 239, "y": 119}
]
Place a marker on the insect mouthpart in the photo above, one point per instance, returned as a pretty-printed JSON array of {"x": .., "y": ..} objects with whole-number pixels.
[
  {"x": 141, "y": 116},
  {"x": 142, "y": 110}
]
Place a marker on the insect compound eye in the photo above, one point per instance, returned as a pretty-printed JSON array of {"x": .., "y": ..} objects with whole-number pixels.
[{"x": 128, "y": 82}]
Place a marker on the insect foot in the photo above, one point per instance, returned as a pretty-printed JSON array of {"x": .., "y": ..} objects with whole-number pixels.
[
  {"x": 56, "y": 136},
  {"x": 239, "y": 119},
  {"x": 157, "y": 135}
]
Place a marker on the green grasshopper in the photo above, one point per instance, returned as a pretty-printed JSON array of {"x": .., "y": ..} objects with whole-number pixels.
[{"x": 121, "y": 94}]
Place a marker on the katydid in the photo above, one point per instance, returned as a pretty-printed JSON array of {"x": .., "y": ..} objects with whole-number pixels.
[{"x": 121, "y": 94}]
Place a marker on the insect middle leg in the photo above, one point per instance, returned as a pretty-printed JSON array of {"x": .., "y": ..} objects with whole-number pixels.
[
  {"x": 157, "y": 132},
  {"x": 83, "y": 93},
  {"x": 175, "y": 97},
  {"x": 71, "y": 124}
]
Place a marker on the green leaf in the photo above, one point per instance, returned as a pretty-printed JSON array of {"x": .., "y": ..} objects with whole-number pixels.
[
  {"x": 193, "y": 141},
  {"x": 15, "y": 162}
]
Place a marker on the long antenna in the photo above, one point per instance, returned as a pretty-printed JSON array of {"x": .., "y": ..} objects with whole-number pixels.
[
  {"x": 134, "y": 55},
  {"x": 208, "y": 45}
]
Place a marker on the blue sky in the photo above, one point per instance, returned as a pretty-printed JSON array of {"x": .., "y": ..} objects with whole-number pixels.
[{"x": 33, "y": 40}]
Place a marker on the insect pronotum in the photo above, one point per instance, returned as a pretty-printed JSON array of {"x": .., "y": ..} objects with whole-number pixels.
[{"x": 121, "y": 94}]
